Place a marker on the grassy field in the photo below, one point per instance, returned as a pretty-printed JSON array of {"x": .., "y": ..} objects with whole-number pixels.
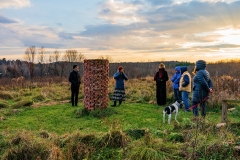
[
  {"x": 60, "y": 119},
  {"x": 42, "y": 124}
]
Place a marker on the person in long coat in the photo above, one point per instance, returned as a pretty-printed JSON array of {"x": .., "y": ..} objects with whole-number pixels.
[
  {"x": 161, "y": 77},
  {"x": 202, "y": 87},
  {"x": 119, "y": 91}
]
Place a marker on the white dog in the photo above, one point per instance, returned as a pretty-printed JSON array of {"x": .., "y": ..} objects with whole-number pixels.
[{"x": 173, "y": 108}]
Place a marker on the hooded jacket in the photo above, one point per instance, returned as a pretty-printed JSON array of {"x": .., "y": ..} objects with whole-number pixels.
[
  {"x": 201, "y": 82},
  {"x": 176, "y": 78},
  {"x": 185, "y": 80}
]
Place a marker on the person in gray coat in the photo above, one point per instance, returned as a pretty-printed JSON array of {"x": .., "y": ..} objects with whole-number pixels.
[{"x": 202, "y": 86}]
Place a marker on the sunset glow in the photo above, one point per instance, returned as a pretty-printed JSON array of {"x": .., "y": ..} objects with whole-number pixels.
[{"x": 135, "y": 30}]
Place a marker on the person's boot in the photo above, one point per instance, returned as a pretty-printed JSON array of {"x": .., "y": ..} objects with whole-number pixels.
[
  {"x": 120, "y": 102},
  {"x": 114, "y": 105}
]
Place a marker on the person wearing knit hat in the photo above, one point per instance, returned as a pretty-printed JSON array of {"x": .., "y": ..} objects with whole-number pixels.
[
  {"x": 202, "y": 86},
  {"x": 119, "y": 91},
  {"x": 161, "y": 77}
]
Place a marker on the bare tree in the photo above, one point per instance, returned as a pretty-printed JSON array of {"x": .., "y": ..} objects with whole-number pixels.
[
  {"x": 50, "y": 62},
  {"x": 30, "y": 54},
  {"x": 20, "y": 66},
  {"x": 42, "y": 60},
  {"x": 56, "y": 57},
  {"x": 73, "y": 56}
]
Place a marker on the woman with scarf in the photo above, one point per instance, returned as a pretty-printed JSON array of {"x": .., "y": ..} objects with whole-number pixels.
[{"x": 161, "y": 77}]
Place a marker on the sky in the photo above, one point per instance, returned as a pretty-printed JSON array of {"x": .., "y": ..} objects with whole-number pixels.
[{"x": 125, "y": 30}]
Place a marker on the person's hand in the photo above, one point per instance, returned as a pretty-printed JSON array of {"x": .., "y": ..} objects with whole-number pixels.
[{"x": 210, "y": 90}]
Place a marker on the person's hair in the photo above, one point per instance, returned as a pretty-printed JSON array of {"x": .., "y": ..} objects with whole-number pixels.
[
  {"x": 74, "y": 66},
  {"x": 161, "y": 65},
  {"x": 120, "y": 68}
]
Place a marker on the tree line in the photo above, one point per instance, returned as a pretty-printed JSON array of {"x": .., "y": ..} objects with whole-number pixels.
[{"x": 42, "y": 63}]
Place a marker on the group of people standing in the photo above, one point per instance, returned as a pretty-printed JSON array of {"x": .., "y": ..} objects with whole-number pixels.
[{"x": 182, "y": 86}]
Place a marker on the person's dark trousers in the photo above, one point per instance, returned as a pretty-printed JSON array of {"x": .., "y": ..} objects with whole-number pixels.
[
  {"x": 178, "y": 96},
  {"x": 74, "y": 96},
  {"x": 203, "y": 108}
]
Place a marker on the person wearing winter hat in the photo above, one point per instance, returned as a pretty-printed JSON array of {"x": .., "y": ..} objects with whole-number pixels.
[
  {"x": 161, "y": 77},
  {"x": 202, "y": 86},
  {"x": 185, "y": 87},
  {"x": 119, "y": 91},
  {"x": 176, "y": 79}
]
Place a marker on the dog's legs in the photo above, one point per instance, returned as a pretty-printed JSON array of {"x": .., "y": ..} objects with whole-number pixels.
[
  {"x": 176, "y": 115},
  {"x": 169, "y": 118},
  {"x": 163, "y": 117}
]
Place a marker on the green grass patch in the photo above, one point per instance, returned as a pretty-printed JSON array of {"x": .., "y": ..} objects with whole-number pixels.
[{"x": 128, "y": 131}]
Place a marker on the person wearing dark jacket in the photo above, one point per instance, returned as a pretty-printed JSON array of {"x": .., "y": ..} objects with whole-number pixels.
[
  {"x": 176, "y": 79},
  {"x": 202, "y": 87},
  {"x": 161, "y": 77},
  {"x": 75, "y": 80},
  {"x": 185, "y": 86},
  {"x": 119, "y": 91}
]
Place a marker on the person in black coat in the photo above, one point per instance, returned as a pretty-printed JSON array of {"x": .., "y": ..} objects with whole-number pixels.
[
  {"x": 75, "y": 80},
  {"x": 161, "y": 77}
]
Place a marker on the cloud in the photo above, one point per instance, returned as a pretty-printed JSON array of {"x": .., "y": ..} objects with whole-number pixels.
[
  {"x": 6, "y": 20},
  {"x": 160, "y": 2},
  {"x": 118, "y": 12},
  {"x": 25, "y": 36},
  {"x": 141, "y": 28},
  {"x": 175, "y": 28},
  {"x": 14, "y": 3}
]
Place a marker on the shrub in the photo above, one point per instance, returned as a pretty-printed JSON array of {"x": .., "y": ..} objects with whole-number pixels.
[
  {"x": 3, "y": 144},
  {"x": 78, "y": 146},
  {"x": 217, "y": 150},
  {"x": 6, "y": 95},
  {"x": 26, "y": 146},
  {"x": 114, "y": 139},
  {"x": 234, "y": 128},
  {"x": 26, "y": 102},
  {"x": 3, "y": 104},
  {"x": 44, "y": 134},
  {"x": 38, "y": 98},
  {"x": 176, "y": 137},
  {"x": 153, "y": 149},
  {"x": 17, "y": 99},
  {"x": 136, "y": 133}
]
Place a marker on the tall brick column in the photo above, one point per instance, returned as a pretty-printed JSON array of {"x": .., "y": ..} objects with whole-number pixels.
[{"x": 96, "y": 78}]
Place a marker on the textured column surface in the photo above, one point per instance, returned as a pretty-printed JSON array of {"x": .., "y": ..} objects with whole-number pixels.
[{"x": 96, "y": 77}]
